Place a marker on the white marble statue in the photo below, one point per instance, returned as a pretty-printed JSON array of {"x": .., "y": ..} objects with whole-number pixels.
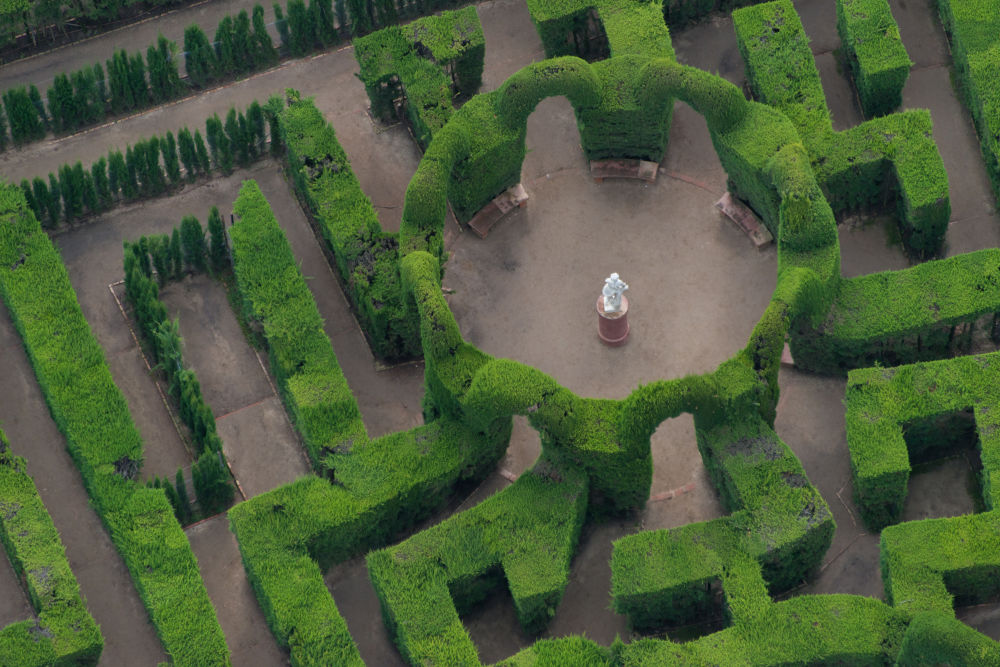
[{"x": 613, "y": 288}]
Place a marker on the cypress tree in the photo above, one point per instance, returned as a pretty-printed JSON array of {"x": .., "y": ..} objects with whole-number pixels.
[
  {"x": 199, "y": 148},
  {"x": 89, "y": 189},
  {"x": 362, "y": 20},
  {"x": 55, "y": 201},
  {"x": 29, "y": 196},
  {"x": 117, "y": 173},
  {"x": 36, "y": 101},
  {"x": 193, "y": 241},
  {"x": 176, "y": 252},
  {"x": 326, "y": 31},
  {"x": 62, "y": 105},
  {"x": 174, "y": 501},
  {"x": 159, "y": 88},
  {"x": 217, "y": 240},
  {"x": 243, "y": 43},
  {"x": 301, "y": 27},
  {"x": 25, "y": 124},
  {"x": 341, "y": 11},
  {"x": 101, "y": 89},
  {"x": 85, "y": 103},
  {"x": 274, "y": 106},
  {"x": 225, "y": 48},
  {"x": 386, "y": 12},
  {"x": 99, "y": 175},
  {"x": 172, "y": 79},
  {"x": 200, "y": 63},
  {"x": 211, "y": 482},
  {"x": 236, "y": 135},
  {"x": 182, "y": 495},
  {"x": 158, "y": 181},
  {"x": 173, "y": 166},
  {"x": 3, "y": 132},
  {"x": 213, "y": 128},
  {"x": 256, "y": 125},
  {"x": 281, "y": 23},
  {"x": 185, "y": 146},
  {"x": 122, "y": 98},
  {"x": 41, "y": 196},
  {"x": 137, "y": 81},
  {"x": 72, "y": 192},
  {"x": 263, "y": 51},
  {"x": 162, "y": 262},
  {"x": 130, "y": 186}
]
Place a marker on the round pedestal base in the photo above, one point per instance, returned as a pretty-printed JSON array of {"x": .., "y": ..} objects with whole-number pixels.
[{"x": 613, "y": 327}]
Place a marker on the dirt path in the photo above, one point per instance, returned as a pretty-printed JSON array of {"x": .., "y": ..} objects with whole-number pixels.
[
  {"x": 129, "y": 639},
  {"x": 249, "y": 639},
  {"x": 257, "y": 438}
]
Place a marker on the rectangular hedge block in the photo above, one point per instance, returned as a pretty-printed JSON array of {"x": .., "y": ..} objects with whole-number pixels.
[
  {"x": 878, "y": 59},
  {"x": 974, "y": 28},
  {"x": 64, "y": 632},
  {"x": 883, "y": 402},
  {"x": 302, "y": 357},
  {"x": 365, "y": 257}
]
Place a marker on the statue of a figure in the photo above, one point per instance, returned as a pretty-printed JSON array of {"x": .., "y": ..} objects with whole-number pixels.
[{"x": 613, "y": 288}]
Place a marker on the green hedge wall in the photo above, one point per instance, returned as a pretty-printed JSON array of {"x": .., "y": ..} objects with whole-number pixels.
[
  {"x": 974, "y": 28},
  {"x": 365, "y": 257},
  {"x": 92, "y": 414},
  {"x": 939, "y": 564},
  {"x": 427, "y": 62},
  {"x": 681, "y": 13},
  {"x": 940, "y": 639},
  {"x": 896, "y": 415},
  {"x": 861, "y": 167},
  {"x": 596, "y": 29},
  {"x": 879, "y": 64},
  {"x": 276, "y": 295},
  {"x": 64, "y": 633},
  {"x": 525, "y": 534},
  {"x": 896, "y": 317}
]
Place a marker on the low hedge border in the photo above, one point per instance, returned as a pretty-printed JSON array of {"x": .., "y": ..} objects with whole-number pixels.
[
  {"x": 64, "y": 633},
  {"x": 890, "y": 156},
  {"x": 427, "y": 62},
  {"x": 974, "y": 26},
  {"x": 872, "y": 46},
  {"x": 92, "y": 414}
]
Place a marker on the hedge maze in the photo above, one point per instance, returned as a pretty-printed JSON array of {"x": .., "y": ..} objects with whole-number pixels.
[{"x": 614, "y": 62}]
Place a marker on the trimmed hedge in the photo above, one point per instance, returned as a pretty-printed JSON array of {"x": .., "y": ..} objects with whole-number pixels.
[
  {"x": 878, "y": 60},
  {"x": 365, "y": 257},
  {"x": 92, "y": 414},
  {"x": 974, "y": 29},
  {"x": 940, "y": 639},
  {"x": 894, "y": 317},
  {"x": 426, "y": 62},
  {"x": 811, "y": 629},
  {"x": 896, "y": 415},
  {"x": 525, "y": 534},
  {"x": 665, "y": 577},
  {"x": 276, "y": 295},
  {"x": 858, "y": 168},
  {"x": 64, "y": 632},
  {"x": 598, "y": 29}
]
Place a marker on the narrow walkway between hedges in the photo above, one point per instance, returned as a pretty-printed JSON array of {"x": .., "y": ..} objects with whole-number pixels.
[{"x": 111, "y": 598}]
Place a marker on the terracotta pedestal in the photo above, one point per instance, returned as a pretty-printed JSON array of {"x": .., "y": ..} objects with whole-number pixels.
[{"x": 612, "y": 327}]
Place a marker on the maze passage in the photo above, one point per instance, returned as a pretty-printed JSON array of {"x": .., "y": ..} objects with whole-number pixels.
[{"x": 737, "y": 588}]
